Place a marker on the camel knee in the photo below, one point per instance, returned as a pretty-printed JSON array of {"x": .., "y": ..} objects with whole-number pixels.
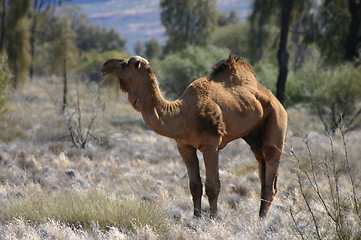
[
  {"x": 212, "y": 190},
  {"x": 196, "y": 188},
  {"x": 271, "y": 153}
]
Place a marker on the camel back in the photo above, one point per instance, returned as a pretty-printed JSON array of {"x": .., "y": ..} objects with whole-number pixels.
[{"x": 233, "y": 68}]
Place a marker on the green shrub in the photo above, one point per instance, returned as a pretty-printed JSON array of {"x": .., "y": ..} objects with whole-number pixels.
[
  {"x": 232, "y": 36},
  {"x": 177, "y": 70},
  {"x": 92, "y": 61},
  {"x": 267, "y": 74},
  {"x": 334, "y": 94}
]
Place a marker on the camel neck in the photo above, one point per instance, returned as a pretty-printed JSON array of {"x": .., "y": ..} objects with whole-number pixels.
[{"x": 163, "y": 116}]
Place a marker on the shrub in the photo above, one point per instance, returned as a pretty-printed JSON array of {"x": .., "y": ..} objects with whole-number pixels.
[
  {"x": 177, "y": 70},
  {"x": 232, "y": 36},
  {"x": 330, "y": 193},
  {"x": 335, "y": 94},
  {"x": 267, "y": 74},
  {"x": 91, "y": 62}
]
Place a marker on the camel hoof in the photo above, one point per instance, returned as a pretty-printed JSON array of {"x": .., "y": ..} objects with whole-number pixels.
[{"x": 197, "y": 214}]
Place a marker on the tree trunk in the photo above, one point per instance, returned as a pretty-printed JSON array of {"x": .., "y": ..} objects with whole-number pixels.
[
  {"x": 3, "y": 25},
  {"x": 65, "y": 89},
  {"x": 282, "y": 54},
  {"x": 32, "y": 43},
  {"x": 353, "y": 37}
]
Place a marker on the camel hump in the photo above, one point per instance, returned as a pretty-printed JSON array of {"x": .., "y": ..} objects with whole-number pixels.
[{"x": 233, "y": 68}]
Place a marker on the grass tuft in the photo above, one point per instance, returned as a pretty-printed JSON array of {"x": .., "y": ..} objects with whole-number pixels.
[{"x": 84, "y": 210}]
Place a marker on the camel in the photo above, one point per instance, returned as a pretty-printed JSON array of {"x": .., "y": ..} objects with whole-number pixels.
[{"x": 212, "y": 111}]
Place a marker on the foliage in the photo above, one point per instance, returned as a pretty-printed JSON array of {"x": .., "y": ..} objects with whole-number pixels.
[
  {"x": 92, "y": 61},
  {"x": 38, "y": 8},
  {"x": 232, "y": 36},
  {"x": 324, "y": 29},
  {"x": 188, "y": 22},
  {"x": 14, "y": 37},
  {"x": 153, "y": 49},
  {"x": 11, "y": 13},
  {"x": 267, "y": 74},
  {"x": 89, "y": 37},
  {"x": 19, "y": 53},
  {"x": 177, "y": 70},
  {"x": 223, "y": 19},
  {"x": 84, "y": 209},
  {"x": 63, "y": 53},
  {"x": 335, "y": 94},
  {"x": 4, "y": 82}
]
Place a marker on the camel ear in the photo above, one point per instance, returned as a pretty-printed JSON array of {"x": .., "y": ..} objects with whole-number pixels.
[{"x": 136, "y": 62}]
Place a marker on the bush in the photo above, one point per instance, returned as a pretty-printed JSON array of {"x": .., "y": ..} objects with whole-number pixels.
[
  {"x": 335, "y": 94},
  {"x": 267, "y": 74},
  {"x": 177, "y": 70},
  {"x": 234, "y": 37}
]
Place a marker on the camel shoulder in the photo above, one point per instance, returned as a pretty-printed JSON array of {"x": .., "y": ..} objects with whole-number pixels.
[{"x": 206, "y": 113}]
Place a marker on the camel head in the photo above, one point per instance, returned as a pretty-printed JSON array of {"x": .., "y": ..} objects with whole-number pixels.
[{"x": 128, "y": 71}]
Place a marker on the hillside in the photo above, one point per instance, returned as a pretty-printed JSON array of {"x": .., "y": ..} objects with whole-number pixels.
[{"x": 139, "y": 20}]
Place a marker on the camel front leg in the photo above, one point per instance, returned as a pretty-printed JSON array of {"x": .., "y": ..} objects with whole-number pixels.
[
  {"x": 189, "y": 156},
  {"x": 213, "y": 185}
]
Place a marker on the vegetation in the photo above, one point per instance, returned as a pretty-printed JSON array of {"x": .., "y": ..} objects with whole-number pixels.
[
  {"x": 85, "y": 209},
  {"x": 334, "y": 94},
  {"x": 4, "y": 83},
  {"x": 188, "y": 22},
  {"x": 177, "y": 70},
  {"x": 49, "y": 167}
]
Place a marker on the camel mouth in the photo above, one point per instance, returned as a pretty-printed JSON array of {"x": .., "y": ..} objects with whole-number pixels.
[{"x": 105, "y": 73}]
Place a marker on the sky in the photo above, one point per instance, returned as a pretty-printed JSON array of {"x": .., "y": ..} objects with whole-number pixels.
[{"x": 139, "y": 20}]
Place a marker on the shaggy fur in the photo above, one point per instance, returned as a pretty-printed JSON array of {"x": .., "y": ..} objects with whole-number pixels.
[{"x": 212, "y": 112}]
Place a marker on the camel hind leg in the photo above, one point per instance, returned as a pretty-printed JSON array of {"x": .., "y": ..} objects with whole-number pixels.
[
  {"x": 266, "y": 144},
  {"x": 272, "y": 150}
]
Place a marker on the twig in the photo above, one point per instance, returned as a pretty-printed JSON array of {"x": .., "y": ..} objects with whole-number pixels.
[
  {"x": 342, "y": 133},
  {"x": 296, "y": 225}
]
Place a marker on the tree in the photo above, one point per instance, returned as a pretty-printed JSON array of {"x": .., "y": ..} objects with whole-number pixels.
[
  {"x": 353, "y": 38},
  {"x": 188, "y": 22},
  {"x": 18, "y": 50},
  {"x": 224, "y": 19},
  {"x": 90, "y": 37},
  {"x": 4, "y": 82},
  {"x": 283, "y": 55},
  {"x": 11, "y": 13},
  {"x": 14, "y": 37},
  {"x": 335, "y": 27},
  {"x": 64, "y": 53},
  {"x": 153, "y": 49},
  {"x": 260, "y": 22},
  {"x": 38, "y": 7},
  {"x": 232, "y": 36},
  {"x": 139, "y": 48}
]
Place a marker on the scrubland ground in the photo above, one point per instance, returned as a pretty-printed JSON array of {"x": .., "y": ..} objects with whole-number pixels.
[{"x": 130, "y": 183}]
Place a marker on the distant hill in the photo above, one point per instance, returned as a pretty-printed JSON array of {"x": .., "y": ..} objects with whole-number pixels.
[{"x": 139, "y": 20}]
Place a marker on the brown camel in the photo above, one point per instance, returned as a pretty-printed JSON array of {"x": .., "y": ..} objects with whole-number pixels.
[{"x": 213, "y": 111}]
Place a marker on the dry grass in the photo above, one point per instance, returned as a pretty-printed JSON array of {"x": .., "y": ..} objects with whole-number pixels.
[{"x": 130, "y": 170}]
